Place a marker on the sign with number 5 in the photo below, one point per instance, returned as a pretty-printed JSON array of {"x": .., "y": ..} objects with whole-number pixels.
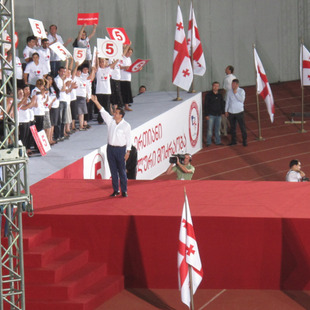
[
  {"x": 79, "y": 54},
  {"x": 109, "y": 49},
  {"x": 60, "y": 50},
  {"x": 37, "y": 28},
  {"x": 118, "y": 34}
]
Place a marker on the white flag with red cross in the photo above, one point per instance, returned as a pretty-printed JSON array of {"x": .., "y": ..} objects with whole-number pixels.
[
  {"x": 188, "y": 256},
  {"x": 263, "y": 87},
  {"x": 304, "y": 66},
  {"x": 182, "y": 73},
  {"x": 194, "y": 44}
]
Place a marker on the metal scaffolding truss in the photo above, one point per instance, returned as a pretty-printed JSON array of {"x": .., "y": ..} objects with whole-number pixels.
[{"x": 15, "y": 197}]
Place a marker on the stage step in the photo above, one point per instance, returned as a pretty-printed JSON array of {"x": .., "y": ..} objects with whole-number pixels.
[
  {"x": 57, "y": 277},
  {"x": 88, "y": 300}
]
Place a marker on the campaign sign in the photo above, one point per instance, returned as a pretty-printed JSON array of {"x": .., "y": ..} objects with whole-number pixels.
[
  {"x": 79, "y": 54},
  {"x": 60, "y": 50},
  {"x": 37, "y": 28},
  {"x": 40, "y": 139},
  {"x": 137, "y": 65},
  {"x": 6, "y": 37},
  {"x": 110, "y": 49},
  {"x": 88, "y": 18},
  {"x": 118, "y": 34}
]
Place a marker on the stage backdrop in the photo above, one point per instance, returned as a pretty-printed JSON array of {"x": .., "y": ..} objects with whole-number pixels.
[{"x": 177, "y": 131}]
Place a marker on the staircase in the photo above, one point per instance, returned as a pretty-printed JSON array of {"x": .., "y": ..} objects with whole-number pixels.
[{"x": 59, "y": 278}]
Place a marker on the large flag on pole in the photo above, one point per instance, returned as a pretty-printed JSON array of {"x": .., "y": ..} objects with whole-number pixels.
[
  {"x": 188, "y": 256},
  {"x": 263, "y": 87},
  {"x": 304, "y": 66},
  {"x": 194, "y": 44},
  {"x": 182, "y": 75}
]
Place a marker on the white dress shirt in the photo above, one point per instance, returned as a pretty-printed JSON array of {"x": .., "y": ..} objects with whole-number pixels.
[
  {"x": 118, "y": 134},
  {"x": 235, "y": 102}
]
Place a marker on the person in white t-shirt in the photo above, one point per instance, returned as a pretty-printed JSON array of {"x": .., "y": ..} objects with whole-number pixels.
[
  {"x": 18, "y": 69},
  {"x": 30, "y": 48},
  {"x": 295, "y": 174},
  {"x": 45, "y": 55},
  {"x": 54, "y": 37},
  {"x": 103, "y": 85},
  {"x": 126, "y": 79},
  {"x": 83, "y": 42},
  {"x": 81, "y": 93},
  {"x": 34, "y": 71}
]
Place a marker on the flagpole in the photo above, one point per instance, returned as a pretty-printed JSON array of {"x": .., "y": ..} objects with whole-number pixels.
[
  {"x": 302, "y": 88},
  {"x": 192, "y": 54}
]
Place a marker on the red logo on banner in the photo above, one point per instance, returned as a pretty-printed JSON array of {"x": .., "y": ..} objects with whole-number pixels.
[
  {"x": 97, "y": 167},
  {"x": 88, "y": 18},
  {"x": 193, "y": 123}
]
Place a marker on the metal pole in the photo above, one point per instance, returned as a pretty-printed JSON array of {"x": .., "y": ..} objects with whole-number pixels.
[
  {"x": 192, "y": 49},
  {"x": 302, "y": 88}
]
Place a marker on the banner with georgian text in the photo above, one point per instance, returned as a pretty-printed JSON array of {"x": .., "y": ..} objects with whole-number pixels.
[{"x": 177, "y": 131}]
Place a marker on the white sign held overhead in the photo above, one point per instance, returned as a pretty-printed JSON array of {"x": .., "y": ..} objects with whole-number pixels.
[
  {"x": 110, "y": 49},
  {"x": 60, "y": 50},
  {"x": 37, "y": 28},
  {"x": 79, "y": 54},
  {"x": 93, "y": 64}
]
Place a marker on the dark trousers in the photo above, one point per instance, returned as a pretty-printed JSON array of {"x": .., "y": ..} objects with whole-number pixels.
[
  {"x": 59, "y": 132},
  {"x": 233, "y": 119},
  {"x": 104, "y": 101},
  {"x": 117, "y": 164},
  {"x": 24, "y": 134}
]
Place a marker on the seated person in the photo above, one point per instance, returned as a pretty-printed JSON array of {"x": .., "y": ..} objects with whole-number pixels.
[
  {"x": 184, "y": 171},
  {"x": 295, "y": 174}
]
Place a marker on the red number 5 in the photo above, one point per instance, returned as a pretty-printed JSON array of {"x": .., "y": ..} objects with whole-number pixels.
[
  {"x": 38, "y": 28},
  {"x": 109, "y": 49}
]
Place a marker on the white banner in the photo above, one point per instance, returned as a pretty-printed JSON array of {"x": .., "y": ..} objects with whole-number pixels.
[
  {"x": 110, "y": 49},
  {"x": 60, "y": 50},
  {"x": 37, "y": 28},
  {"x": 156, "y": 141},
  {"x": 79, "y": 55}
]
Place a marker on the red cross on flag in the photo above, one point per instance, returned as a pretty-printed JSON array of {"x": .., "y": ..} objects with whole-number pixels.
[
  {"x": 263, "y": 87},
  {"x": 194, "y": 43},
  {"x": 188, "y": 257},
  {"x": 182, "y": 73},
  {"x": 304, "y": 66}
]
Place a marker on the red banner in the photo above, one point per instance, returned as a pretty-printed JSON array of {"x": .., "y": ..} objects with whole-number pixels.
[
  {"x": 137, "y": 65},
  {"x": 88, "y": 18},
  {"x": 118, "y": 34}
]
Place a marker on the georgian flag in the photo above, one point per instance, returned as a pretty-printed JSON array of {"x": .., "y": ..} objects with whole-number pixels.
[
  {"x": 304, "y": 66},
  {"x": 182, "y": 73},
  {"x": 194, "y": 43},
  {"x": 263, "y": 87},
  {"x": 188, "y": 255}
]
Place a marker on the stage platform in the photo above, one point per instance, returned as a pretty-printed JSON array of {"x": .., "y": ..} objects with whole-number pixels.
[
  {"x": 145, "y": 108},
  {"x": 251, "y": 235}
]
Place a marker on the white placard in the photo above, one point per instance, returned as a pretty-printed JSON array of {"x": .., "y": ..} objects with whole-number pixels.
[
  {"x": 60, "y": 50},
  {"x": 79, "y": 54},
  {"x": 110, "y": 49},
  {"x": 93, "y": 64},
  {"x": 43, "y": 138},
  {"x": 37, "y": 28}
]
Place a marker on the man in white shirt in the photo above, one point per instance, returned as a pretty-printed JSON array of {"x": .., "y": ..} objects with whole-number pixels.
[
  {"x": 119, "y": 146},
  {"x": 295, "y": 174},
  {"x": 234, "y": 110},
  {"x": 227, "y": 86},
  {"x": 30, "y": 48},
  {"x": 45, "y": 55},
  {"x": 53, "y": 37}
]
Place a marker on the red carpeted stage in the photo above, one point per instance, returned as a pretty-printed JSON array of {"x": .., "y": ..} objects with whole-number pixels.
[{"x": 251, "y": 235}]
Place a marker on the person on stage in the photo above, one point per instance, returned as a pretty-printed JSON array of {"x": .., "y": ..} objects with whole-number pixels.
[{"x": 119, "y": 146}]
